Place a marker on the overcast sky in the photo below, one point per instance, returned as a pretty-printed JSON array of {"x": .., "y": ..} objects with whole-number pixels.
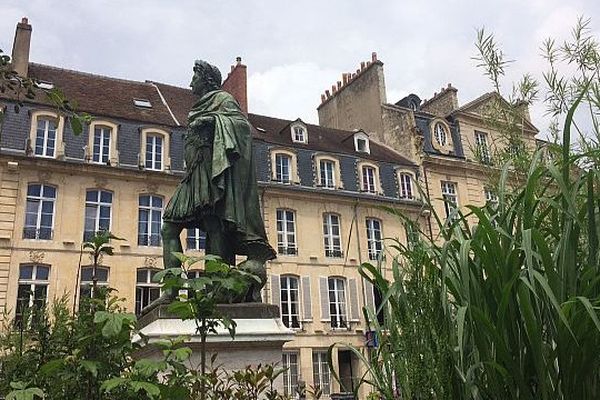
[{"x": 294, "y": 50}]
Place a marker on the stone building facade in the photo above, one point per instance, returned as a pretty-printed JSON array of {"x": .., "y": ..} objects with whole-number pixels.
[{"x": 321, "y": 190}]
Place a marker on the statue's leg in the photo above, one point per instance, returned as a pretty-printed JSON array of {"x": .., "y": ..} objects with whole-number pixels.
[
  {"x": 218, "y": 243},
  {"x": 171, "y": 242}
]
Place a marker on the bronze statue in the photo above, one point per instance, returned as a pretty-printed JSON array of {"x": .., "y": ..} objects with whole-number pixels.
[{"x": 218, "y": 193}]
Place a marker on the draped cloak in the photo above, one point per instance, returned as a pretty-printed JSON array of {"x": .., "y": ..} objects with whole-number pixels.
[{"x": 220, "y": 177}]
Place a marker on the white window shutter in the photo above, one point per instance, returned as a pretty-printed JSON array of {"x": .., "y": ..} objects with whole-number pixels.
[
  {"x": 354, "y": 303},
  {"x": 275, "y": 290},
  {"x": 369, "y": 295},
  {"x": 324, "y": 293},
  {"x": 306, "y": 298}
]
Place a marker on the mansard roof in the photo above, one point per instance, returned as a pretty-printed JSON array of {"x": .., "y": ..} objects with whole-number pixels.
[{"x": 108, "y": 97}]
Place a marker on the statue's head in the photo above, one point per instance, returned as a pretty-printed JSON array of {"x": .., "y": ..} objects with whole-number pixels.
[{"x": 206, "y": 78}]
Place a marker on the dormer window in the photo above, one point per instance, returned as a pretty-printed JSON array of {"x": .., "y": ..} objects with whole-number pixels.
[
  {"x": 45, "y": 85},
  {"x": 299, "y": 132},
  {"x": 142, "y": 103},
  {"x": 361, "y": 142},
  {"x": 441, "y": 136}
]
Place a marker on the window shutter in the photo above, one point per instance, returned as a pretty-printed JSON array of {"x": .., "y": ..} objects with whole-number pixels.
[
  {"x": 354, "y": 308},
  {"x": 306, "y": 299},
  {"x": 369, "y": 295},
  {"x": 324, "y": 289},
  {"x": 275, "y": 291}
]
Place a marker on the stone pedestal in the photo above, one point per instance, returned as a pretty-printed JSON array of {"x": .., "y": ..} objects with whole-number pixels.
[{"x": 259, "y": 336}]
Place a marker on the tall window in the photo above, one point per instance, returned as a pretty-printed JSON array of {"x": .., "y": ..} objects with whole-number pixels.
[
  {"x": 86, "y": 286},
  {"x": 32, "y": 292},
  {"x": 150, "y": 220},
  {"x": 450, "y": 198},
  {"x": 98, "y": 210},
  {"x": 39, "y": 212},
  {"x": 101, "y": 144},
  {"x": 483, "y": 151},
  {"x": 321, "y": 374},
  {"x": 337, "y": 302},
  {"x": 45, "y": 137},
  {"x": 374, "y": 241},
  {"x": 368, "y": 180},
  {"x": 154, "y": 152},
  {"x": 439, "y": 131},
  {"x": 290, "y": 301},
  {"x": 331, "y": 235},
  {"x": 289, "y": 362},
  {"x": 146, "y": 290},
  {"x": 286, "y": 232},
  {"x": 283, "y": 167},
  {"x": 327, "y": 174},
  {"x": 196, "y": 239},
  {"x": 406, "y": 189}
]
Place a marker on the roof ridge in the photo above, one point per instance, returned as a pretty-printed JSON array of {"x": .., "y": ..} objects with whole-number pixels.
[{"x": 90, "y": 74}]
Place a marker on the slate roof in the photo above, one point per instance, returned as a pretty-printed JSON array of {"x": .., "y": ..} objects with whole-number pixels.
[{"x": 108, "y": 97}]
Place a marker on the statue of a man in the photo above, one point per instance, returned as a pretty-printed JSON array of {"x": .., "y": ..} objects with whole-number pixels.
[{"x": 218, "y": 193}]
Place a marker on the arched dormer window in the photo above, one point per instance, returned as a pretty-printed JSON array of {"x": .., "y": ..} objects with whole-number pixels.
[
  {"x": 284, "y": 166},
  {"x": 299, "y": 132},
  {"x": 406, "y": 188},
  {"x": 155, "y": 149},
  {"x": 46, "y": 135},
  {"x": 369, "y": 177},
  {"x": 102, "y": 143},
  {"x": 328, "y": 174},
  {"x": 361, "y": 142}
]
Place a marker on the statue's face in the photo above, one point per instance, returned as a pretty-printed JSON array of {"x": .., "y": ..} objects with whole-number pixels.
[{"x": 198, "y": 84}]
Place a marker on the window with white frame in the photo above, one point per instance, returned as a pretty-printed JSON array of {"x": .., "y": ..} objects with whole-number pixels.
[
  {"x": 374, "y": 238},
  {"x": 490, "y": 196},
  {"x": 39, "y": 212},
  {"x": 45, "y": 137},
  {"x": 368, "y": 179},
  {"x": 406, "y": 188},
  {"x": 481, "y": 146},
  {"x": 450, "y": 197},
  {"x": 150, "y": 220},
  {"x": 101, "y": 144},
  {"x": 299, "y": 134},
  {"x": 86, "y": 285},
  {"x": 361, "y": 142},
  {"x": 286, "y": 232},
  {"x": 321, "y": 373},
  {"x": 440, "y": 134},
  {"x": 32, "y": 292},
  {"x": 154, "y": 151},
  {"x": 327, "y": 174},
  {"x": 98, "y": 210},
  {"x": 337, "y": 302},
  {"x": 332, "y": 235},
  {"x": 196, "y": 239},
  {"x": 146, "y": 290},
  {"x": 291, "y": 372},
  {"x": 290, "y": 301},
  {"x": 283, "y": 168}
]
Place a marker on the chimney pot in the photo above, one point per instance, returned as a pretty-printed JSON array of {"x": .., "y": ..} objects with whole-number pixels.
[
  {"x": 339, "y": 84},
  {"x": 449, "y": 85},
  {"x": 238, "y": 60},
  {"x": 373, "y": 56},
  {"x": 368, "y": 63},
  {"x": 333, "y": 89},
  {"x": 357, "y": 71},
  {"x": 327, "y": 93},
  {"x": 362, "y": 65},
  {"x": 323, "y": 98},
  {"x": 345, "y": 78},
  {"x": 24, "y": 20}
]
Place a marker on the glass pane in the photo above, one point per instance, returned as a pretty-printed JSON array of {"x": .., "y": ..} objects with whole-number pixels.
[
  {"x": 106, "y": 197},
  {"x": 86, "y": 274},
  {"x": 33, "y": 190},
  {"x": 26, "y": 272},
  {"x": 142, "y": 276},
  {"x": 91, "y": 196},
  {"x": 145, "y": 201},
  {"x": 42, "y": 273}
]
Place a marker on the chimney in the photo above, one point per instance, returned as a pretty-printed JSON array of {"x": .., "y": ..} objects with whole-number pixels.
[
  {"x": 20, "y": 51},
  {"x": 236, "y": 84}
]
